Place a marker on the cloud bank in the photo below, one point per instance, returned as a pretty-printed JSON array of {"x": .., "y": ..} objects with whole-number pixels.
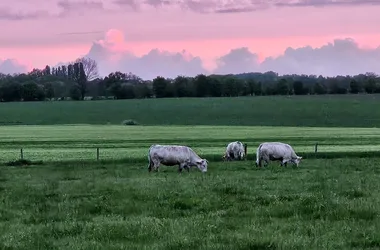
[
  {"x": 339, "y": 57},
  {"x": 63, "y": 8},
  {"x": 11, "y": 66}
]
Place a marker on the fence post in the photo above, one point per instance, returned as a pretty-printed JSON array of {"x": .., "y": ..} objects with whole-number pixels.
[
  {"x": 21, "y": 154},
  {"x": 97, "y": 154},
  {"x": 316, "y": 147}
]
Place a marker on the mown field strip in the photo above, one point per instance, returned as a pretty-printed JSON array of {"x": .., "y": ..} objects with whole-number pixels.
[{"x": 135, "y": 133}]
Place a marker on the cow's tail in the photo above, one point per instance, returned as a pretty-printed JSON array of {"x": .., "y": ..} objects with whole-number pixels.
[{"x": 258, "y": 155}]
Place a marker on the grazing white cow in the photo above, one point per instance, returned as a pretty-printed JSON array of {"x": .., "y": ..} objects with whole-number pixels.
[
  {"x": 276, "y": 151},
  {"x": 170, "y": 155},
  {"x": 235, "y": 150}
]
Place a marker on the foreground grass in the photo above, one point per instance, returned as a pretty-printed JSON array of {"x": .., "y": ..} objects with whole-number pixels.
[
  {"x": 325, "y": 204},
  {"x": 318, "y": 111},
  {"x": 116, "y": 142}
]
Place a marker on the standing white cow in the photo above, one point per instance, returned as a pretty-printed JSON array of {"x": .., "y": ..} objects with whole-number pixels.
[
  {"x": 170, "y": 155},
  {"x": 276, "y": 151},
  {"x": 235, "y": 150}
]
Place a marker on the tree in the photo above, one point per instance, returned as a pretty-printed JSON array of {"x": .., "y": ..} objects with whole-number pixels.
[
  {"x": 201, "y": 85},
  {"x": 160, "y": 85},
  {"x": 32, "y": 92},
  {"x": 79, "y": 77},
  {"x": 90, "y": 67},
  {"x": 182, "y": 86},
  {"x": 75, "y": 92},
  {"x": 46, "y": 71},
  {"x": 282, "y": 87},
  {"x": 319, "y": 89},
  {"x": 355, "y": 87},
  {"x": 298, "y": 88},
  {"x": 49, "y": 90}
]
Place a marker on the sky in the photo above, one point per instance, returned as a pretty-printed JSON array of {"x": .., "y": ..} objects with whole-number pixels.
[{"x": 188, "y": 37}]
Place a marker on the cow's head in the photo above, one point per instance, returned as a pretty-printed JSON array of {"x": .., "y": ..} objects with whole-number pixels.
[
  {"x": 298, "y": 160},
  {"x": 241, "y": 155},
  {"x": 202, "y": 165},
  {"x": 245, "y": 149}
]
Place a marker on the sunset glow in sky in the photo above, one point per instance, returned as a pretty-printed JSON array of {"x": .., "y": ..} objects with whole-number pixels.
[{"x": 189, "y": 37}]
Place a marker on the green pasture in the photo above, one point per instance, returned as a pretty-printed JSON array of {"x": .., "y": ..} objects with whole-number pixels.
[
  {"x": 131, "y": 143},
  {"x": 325, "y": 204},
  {"x": 312, "y": 111}
]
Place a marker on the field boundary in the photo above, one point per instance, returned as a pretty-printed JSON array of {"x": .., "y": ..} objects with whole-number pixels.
[{"x": 214, "y": 157}]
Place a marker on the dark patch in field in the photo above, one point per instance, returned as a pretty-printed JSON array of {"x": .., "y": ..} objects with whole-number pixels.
[
  {"x": 186, "y": 245},
  {"x": 71, "y": 230},
  {"x": 6, "y": 215},
  {"x": 366, "y": 243},
  {"x": 363, "y": 214},
  {"x": 23, "y": 162},
  {"x": 184, "y": 204},
  {"x": 257, "y": 246},
  {"x": 354, "y": 194},
  {"x": 70, "y": 178}
]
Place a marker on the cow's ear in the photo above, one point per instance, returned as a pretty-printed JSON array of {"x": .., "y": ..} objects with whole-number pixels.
[{"x": 300, "y": 157}]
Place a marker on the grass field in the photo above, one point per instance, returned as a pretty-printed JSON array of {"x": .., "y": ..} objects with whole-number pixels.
[
  {"x": 325, "y": 204},
  {"x": 72, "y": 201},
  {"x": 131, "y": 143},
  {"x": 315, "y": 111}
]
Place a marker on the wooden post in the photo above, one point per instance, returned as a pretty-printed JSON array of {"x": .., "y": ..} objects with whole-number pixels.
[
  {"x": 97, "y": 154},
  {"x": 21, "y": 154},
  {"x": 316, "y": 148}
]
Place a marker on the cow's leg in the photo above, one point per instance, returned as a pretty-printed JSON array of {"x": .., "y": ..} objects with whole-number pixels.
[
  {"x": 181, "y": 166},
  {"x": 156, "y": 165},
  {"x": 266, "y": 160},
  {"x": 284, "y": 162},
  {"x": 260, "y": 163}
]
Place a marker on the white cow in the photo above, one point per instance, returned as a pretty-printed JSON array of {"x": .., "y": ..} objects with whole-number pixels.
[
  {"x": 170, "y": 155},
  {"x": 276, "y": 151},
  {"x": 235, "y": 150}
]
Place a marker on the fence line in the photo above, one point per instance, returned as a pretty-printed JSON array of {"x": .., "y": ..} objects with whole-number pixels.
[{"x": 98, "y": 152}]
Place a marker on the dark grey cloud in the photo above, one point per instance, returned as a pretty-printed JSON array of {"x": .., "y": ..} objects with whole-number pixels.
[
  {"x": 20, "y": 11},
  {"x": 10, "y": 66},
  {"x": 74, "y": 6},
  {"x": 322, "y": 3},
  {"x": 236, "y": 6},
  {"x": 7, "y": 14},
  {"x": 134, "y": 4}
]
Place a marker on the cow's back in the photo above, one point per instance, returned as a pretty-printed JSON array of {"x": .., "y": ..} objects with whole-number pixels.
[
  {"x": 171, "y": 154},
  {"x": 277, "y": 150}
]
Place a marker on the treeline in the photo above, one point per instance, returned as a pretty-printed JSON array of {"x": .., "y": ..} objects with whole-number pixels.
[{"x": 79, "y": 80}]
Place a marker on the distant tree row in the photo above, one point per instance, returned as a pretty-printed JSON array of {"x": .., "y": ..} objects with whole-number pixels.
[{"x": 80, "y": 80}]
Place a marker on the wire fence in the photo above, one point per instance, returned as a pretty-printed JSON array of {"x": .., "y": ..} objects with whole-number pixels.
[{"x": 140, "y": 154}]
